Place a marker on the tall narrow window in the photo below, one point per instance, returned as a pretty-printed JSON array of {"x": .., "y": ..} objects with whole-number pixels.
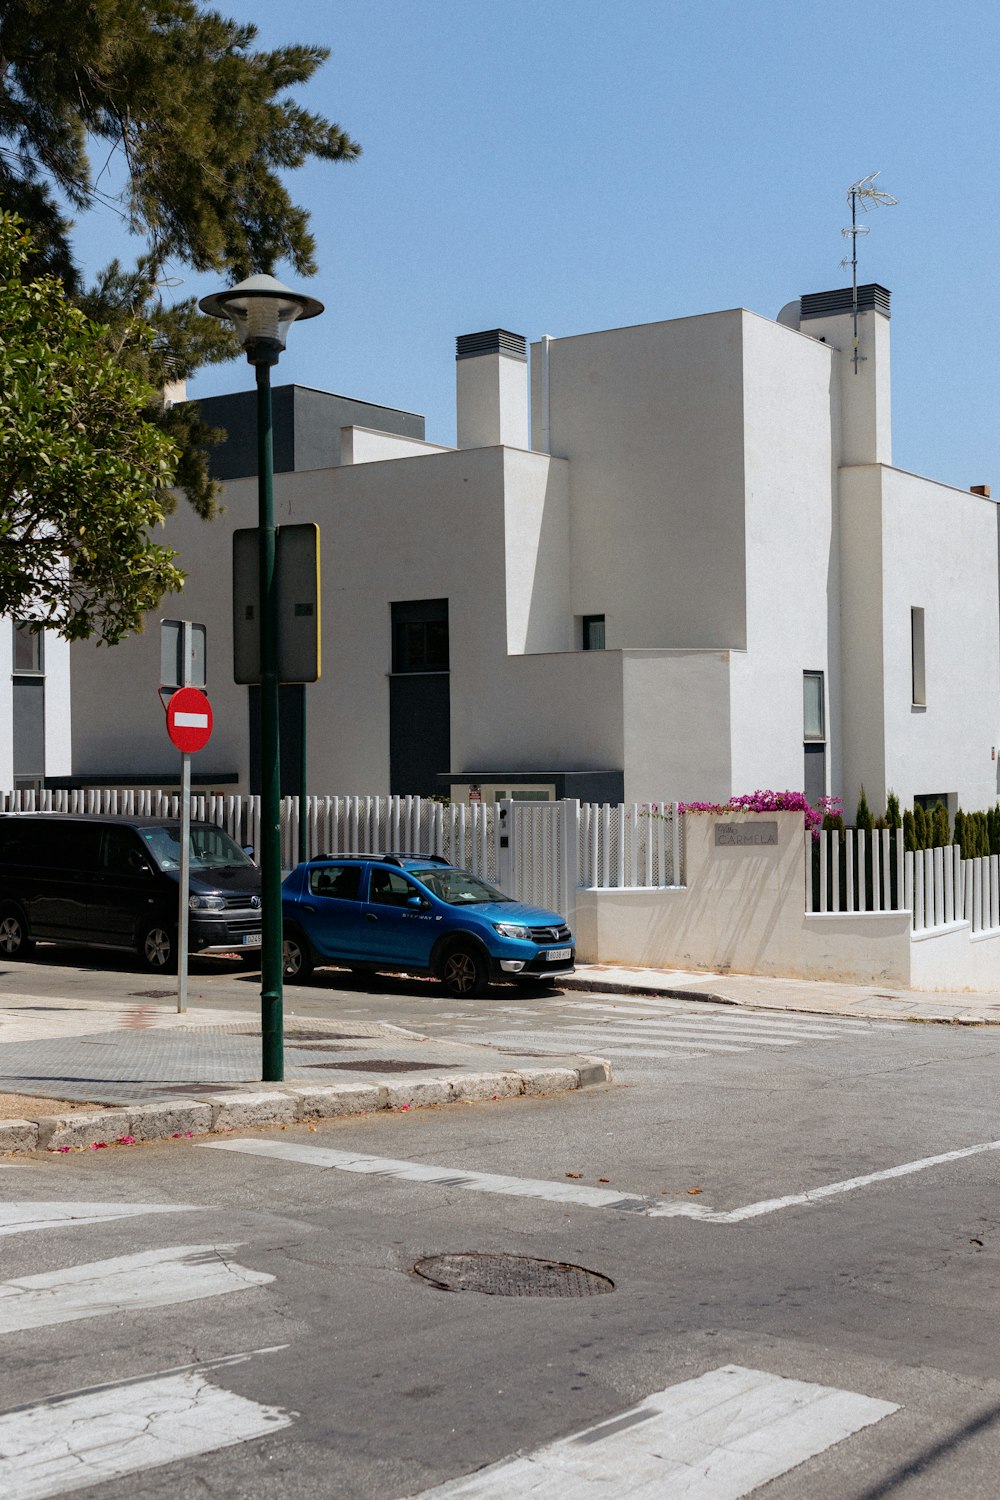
[
  {"x": 420, "y": 635},
  {"x": 917, "y": 672},
  {"x": 27, "y": 648},
  {"x": 814, "y": 735},
  {"x": 593, "y": 632}
]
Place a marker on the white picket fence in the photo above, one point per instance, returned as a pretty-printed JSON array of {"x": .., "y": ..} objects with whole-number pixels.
[
  {"x": 541, "y": 852},
  {"x": 863, "y": 872}
]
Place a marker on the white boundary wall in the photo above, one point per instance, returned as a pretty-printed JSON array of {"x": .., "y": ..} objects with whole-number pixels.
[{"x": 743, "y": 909}]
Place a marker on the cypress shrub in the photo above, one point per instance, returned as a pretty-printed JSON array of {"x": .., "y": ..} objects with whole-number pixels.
[
  {"x": 941, "y": 827},
  {"x": 993, "y": 818},
  {"x": 863, "y": 817},
  {"x": 920, "y": 826},
  {"x": 892, "y": 815},
  {"x": 960, "y": 831},
  {"x": 909, "y": 833}
]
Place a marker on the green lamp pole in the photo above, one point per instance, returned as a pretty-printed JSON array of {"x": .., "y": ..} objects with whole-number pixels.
[{"x": 262, "y": 310}]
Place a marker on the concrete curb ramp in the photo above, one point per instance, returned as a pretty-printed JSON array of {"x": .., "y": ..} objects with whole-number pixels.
[{"x": 287, "y": 1104}]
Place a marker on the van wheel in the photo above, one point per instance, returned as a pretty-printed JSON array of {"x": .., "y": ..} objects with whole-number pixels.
[
  {"x": 14, "y": 939},
  {"x": 157, "y": 948},
  {"x": 296, "y": 961},
  {"x": 464, "y": 971}
]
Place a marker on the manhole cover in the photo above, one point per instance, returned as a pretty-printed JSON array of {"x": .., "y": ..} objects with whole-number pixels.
[
  {"x": 378, "y": 1065},
  {"x": 511, "y": 1276},
  {"x": 292, "y": 1038},
  {"x": 151, "y": 994}
]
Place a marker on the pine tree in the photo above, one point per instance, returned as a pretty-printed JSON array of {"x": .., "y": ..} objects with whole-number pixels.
[{"x": 202, "y": 121}]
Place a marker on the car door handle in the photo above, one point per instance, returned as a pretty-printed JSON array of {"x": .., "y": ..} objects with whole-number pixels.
[
  {"x": 370, "y": 916},
  {"x": 307, "y": 907}
]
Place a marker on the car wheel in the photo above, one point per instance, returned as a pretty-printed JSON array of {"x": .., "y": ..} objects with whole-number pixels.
[
  {"x": 296, "y": 962},
  {"x": 464, "y": 971},
  {"x": 14, "y": 939},
  {"x": 157, "y": 948}
]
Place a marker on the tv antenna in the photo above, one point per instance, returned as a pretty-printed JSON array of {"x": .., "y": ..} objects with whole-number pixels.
[{"x": 865, "y": 193}]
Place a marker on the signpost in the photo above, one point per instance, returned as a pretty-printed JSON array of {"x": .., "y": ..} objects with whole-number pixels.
[{"x": 189, "y": 727}]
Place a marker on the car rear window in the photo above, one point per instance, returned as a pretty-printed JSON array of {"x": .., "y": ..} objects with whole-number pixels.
[{"x": 337, "y": 882}]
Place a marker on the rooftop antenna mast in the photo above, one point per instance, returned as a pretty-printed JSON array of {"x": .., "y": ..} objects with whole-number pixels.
[{"x": 865, "y": 193}]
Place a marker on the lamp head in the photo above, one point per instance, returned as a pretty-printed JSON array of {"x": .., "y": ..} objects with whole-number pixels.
[{"x": 261, "y": 309}]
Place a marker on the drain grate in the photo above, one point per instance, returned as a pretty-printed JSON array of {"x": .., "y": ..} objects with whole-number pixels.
[
  {"x": 378, "y": 1065},
  {"x": 511, "y": 1276}
]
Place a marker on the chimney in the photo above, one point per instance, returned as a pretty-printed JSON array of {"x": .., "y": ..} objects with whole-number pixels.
[
  {"x": 491, "y": 377},
  {"x": 981, "y": 489},
  {"x": 865, "y": 406}
]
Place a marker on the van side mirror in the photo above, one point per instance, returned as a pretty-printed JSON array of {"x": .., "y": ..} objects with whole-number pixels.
[
  {"x": 248, "y": 850},
  {"x": 138, "y": 862}
]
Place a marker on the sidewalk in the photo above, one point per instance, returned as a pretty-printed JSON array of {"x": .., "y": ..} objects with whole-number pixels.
[
  {"x": 81, "y": 1074},
  {"x": 819, "y": 997}
]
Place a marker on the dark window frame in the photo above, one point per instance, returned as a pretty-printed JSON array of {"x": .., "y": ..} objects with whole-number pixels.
[{"x": 420, "y": 636}]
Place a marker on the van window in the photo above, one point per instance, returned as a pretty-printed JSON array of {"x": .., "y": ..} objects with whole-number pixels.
[
  {"x": 117, "y": 847},
  {"x": 210, "y": 848}
]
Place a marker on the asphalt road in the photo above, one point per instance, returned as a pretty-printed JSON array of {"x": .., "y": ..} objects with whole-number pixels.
[{"x": 776, "y": 1325}]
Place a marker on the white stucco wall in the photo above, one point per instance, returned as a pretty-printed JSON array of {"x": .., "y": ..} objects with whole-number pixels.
[
  {"x": 366, "y": 445},
  {"x": 792, "y": 556},
  {"x": 938, "y": 553},
  {"x": 677, "y": 728},
  {"x": 6, "y": 704},
  {"x": 742, "y": 909},
  {"x": 58, "y": 716},
  {"x": 650, "y": 419}
]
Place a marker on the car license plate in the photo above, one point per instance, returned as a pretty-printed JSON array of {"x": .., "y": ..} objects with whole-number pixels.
[
  {"x": 251, "y": 939},
  {"x": 558, "y": 955}
]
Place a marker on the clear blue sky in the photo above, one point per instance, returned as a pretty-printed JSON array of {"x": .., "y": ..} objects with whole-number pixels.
[{"x": 558, "y": 166}]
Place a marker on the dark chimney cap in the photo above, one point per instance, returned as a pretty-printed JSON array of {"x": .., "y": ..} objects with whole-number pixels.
[
  {"x": 831, "y": 304},
  {"x": 492, "y": 341},
  {"x": 981, "y": 489}
]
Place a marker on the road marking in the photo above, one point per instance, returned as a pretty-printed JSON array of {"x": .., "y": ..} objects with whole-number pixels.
[
  {"x": 153, "y": 1278},
  {"x": 686, "y": 1031},
  {"x": 717, "y": 1021},
  {"x": 19, "y": 1218},
  {"x": 717, "y": 1437},
  {"x": 574, "y": 1192},
  {"x": 595, "y": 1034},
  {"x": 71, "y": 1443}
]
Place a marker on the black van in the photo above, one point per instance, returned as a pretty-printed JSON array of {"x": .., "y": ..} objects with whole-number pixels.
[{"x": 113, "y": 883}]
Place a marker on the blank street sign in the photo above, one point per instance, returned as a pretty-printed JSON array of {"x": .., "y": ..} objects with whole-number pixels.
[{"x": 298, "y": 604}]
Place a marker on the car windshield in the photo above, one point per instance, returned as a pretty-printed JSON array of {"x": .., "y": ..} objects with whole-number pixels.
[
  {"x": 457, "y": 887},
  {"x": 209, "y": 848}
]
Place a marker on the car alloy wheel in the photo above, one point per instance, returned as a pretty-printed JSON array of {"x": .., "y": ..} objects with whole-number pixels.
[
  {"x": 14, "y": 940},
  {"x": 296, "y": 960},
  {"x": 464, "y": 972},
  {"x": 157, "y": 948}
]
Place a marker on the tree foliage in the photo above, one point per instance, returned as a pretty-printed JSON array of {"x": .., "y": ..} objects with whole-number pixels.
[
  {"x": 191, "y": 129},
  {"x": 83, "y": 475},
  {"x": 196, "y": 112}
]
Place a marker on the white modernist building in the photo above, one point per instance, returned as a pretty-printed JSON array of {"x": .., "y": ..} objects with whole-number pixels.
[{"x": 676, "y": 563}]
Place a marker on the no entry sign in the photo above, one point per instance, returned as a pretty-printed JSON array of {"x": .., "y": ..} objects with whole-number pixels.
[{"x": 189, "y": 719}]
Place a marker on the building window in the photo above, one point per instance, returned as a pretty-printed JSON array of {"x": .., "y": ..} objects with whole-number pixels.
[
  {"x": 917, "y": 665},
  {"x": 420, "y": 635},
  {"x": 813, "y": 707},
  {"x": 593, "y": 632},
  {"x": 28, "y": 649}
]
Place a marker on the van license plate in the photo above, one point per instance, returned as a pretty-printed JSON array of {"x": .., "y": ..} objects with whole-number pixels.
[
  {"x": 558, "y": 955},
  {"x": 251, "y": 939}
]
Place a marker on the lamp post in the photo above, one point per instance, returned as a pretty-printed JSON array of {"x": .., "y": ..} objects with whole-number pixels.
[{"x": 262, "y": 310}]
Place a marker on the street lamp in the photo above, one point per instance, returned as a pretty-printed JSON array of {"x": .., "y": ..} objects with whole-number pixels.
[{"x": 262, "y": 311}]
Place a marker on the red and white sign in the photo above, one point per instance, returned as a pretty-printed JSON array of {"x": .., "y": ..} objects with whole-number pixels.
[{"x": 189, "y": 719}]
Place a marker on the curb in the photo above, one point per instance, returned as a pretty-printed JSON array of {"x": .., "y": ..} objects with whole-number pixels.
[
  {"x": 622, "y": 987},
  {"x": 290, "y": 1104}
]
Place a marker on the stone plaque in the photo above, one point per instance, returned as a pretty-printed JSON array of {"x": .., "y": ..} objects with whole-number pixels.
[{"x": 745, "y": 835}]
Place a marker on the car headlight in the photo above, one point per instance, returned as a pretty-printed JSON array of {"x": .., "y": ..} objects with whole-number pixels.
[
  {"x": 511, "y": 930},
  {"x": 206, "y": 903}
]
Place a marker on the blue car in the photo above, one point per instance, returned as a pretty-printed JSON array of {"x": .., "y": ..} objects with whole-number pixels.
[{"x": 418, "y": 914}]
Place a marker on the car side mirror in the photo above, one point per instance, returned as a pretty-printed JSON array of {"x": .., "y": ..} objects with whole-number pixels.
[
  {"x": 248, "y": 850},
  {"x": 138, "y": 862},
  {"x": 417, "y": 902}
]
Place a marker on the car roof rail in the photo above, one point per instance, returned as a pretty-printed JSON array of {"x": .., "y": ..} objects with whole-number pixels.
[{"x": 396, "y": 857}]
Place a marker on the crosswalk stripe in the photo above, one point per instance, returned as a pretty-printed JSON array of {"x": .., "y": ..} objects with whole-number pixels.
[
  {"x": 721, "y": 1019},
  {"x": 716, "y": 1437},
  {"x": 56, "y": 1447},
  {"x": 659, "y": 1029},
  {"x": 19, "y": 1218},
  {"x": 577, "y": 1192},
  {"x": 152, "y": 1278},
  {"x": 594, "y": 1037},
  {"x": 731, "y": 1016}
]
